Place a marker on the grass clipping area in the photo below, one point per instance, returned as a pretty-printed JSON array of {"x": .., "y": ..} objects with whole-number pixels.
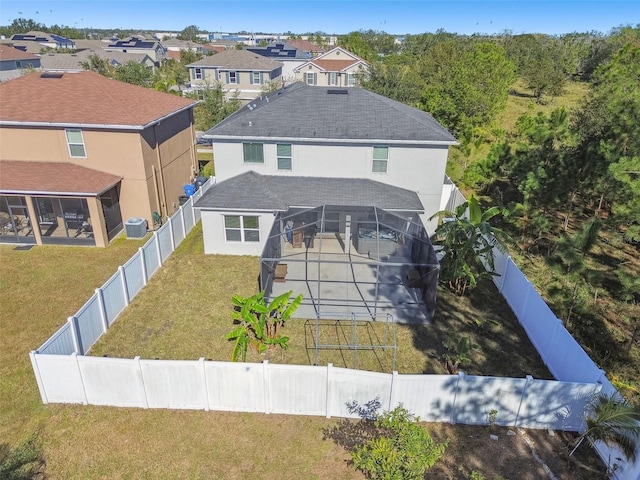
[{"x": 184, "y": 313}]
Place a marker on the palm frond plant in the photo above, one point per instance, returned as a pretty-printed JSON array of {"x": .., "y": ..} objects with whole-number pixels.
[
  {"x": 610, "y": 419},
  {"x": 467, "y": 240},
  {"x": 259, "y": 324}
]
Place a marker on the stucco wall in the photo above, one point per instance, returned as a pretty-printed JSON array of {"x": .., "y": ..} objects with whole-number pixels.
[
  {"x": 127, "y": 154},
  {"x": 417, "y": 168},
  {"x": 214, "y": 234}
]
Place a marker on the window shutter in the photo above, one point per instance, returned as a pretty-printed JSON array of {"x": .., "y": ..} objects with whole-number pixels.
[
  {"x": 261, "y": 79},
  {"x": 315, "y": 78},
  {"x": 251, "y": 78},
  {"x": 227, "y": 76}
]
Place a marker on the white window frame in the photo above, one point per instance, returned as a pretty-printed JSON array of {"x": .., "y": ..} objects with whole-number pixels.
[
  {"x": 313, "y": 78},
  {"x": 245, "y": 146},
  {"x": 283, "y": 156},
  {"x": 255, "y": 75},
  {"x": 234, "y": 80},
  {"x": 71, "y": 144},
  {"x": 333, "y": 78},
  {"x": 351, "y": 79},
  {"x": 197, "y": 73},
  {"x": 379, "y": 161},
  {"x": 242, "y": 228}
]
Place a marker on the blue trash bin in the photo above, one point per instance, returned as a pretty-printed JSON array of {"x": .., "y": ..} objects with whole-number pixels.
[{"x": 189, "y": 189}]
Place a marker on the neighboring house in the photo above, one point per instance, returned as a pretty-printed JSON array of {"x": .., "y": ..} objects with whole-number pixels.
[
  {"x": 82, "y": 44},
  {"x": 210, "y": 49},
  {"x": 28, "y": 47},
  {"x": 45, "y": 40},
  {"x": 290, "y": 57},
  {"x": 237, "y": 71},
  {"x": 14, "y": 62},
  {"x": 337, "y": 67},
  {"x": 175, "y": 45},
  {"x": 348, "y": 140},
  {"x": 306, "y": 46},
  {"x": 153, "y": 48},
  {"x": 72, "y": 62},
  {"x": 81, "y": 154}
]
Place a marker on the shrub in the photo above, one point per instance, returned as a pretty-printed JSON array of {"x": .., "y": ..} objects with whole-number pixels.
[{"x": 401, "y": 450}]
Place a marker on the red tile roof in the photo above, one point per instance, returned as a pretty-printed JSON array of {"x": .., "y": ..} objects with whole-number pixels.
[
  {"x": 83, "y": 98},
  {"x": 53, "y": 178},
  {"x": 334, "y": 65},
  {"x": 10, "y": 53}
]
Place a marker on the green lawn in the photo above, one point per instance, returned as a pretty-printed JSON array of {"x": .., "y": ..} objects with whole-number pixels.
[{"x": 183, "y": 313}]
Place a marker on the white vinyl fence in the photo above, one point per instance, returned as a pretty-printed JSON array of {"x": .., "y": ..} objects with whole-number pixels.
[
  {"x": 65, "y": 375},
  {"x": 83, "y": 329},
  {"x": 307, "y": 390},
  {"x": 563, "y": 356}
]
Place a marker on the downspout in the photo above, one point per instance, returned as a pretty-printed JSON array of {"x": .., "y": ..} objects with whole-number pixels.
[
  {"x": 163, "y": 206},
  {"x": 194, "y": 150}
]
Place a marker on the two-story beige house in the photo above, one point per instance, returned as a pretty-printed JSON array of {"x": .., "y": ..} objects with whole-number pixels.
[
  {"x": 239, "y": 72},
  {"x": 81, "y": 154},
  {"x": 335, "y": 68}
]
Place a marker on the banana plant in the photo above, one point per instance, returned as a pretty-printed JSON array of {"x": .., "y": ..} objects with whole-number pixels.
[{"x": 259, "y": 324}]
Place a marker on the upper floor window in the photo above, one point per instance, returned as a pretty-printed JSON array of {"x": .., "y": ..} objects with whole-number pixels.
[
  {"x": 232, "y": 77},
  {"x": 284, "y": 156},
  {"x": 197, "y": 73},
  {"x": 380, "y": 159},
  {"x": 242, "y": 228},
  {"x": 18, "y": 64},
  {"x": 333, "y": 78},
  {"x": 256, "y": 78},
  {"x": 253, "y": 152},
  {"x": 310, "y": 78},
  {"x": 75, "y": 141},
  {"x": 351, "y": 79}
]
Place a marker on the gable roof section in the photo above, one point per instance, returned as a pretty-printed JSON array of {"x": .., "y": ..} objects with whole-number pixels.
[
  {"x": 53, "y": 178},
  {"x": 84, "y": 99},
  {"x": 11, "y": 53},
  {"x": 74, "y": 61},
  {"x": 335, "y": 65},
  {"x": 134, "y": 42},
  {"x": 301, "y": 112},
  {"x": 280, "y": 51},
  {"x": 305, "y": 45},
  {"x": 255, "y": 192},
  {"x": 237, "y": 60}
]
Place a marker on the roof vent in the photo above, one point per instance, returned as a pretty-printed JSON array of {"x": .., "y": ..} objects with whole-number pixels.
[
  {"x": 334, "y": 91},
  {"x": 52, "y": 75}
]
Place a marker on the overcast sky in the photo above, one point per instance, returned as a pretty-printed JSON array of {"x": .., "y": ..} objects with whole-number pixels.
[{"x": 299, "y": 16}]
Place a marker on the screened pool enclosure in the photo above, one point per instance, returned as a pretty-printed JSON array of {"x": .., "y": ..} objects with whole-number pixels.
[{"x": 350, "y": 263}]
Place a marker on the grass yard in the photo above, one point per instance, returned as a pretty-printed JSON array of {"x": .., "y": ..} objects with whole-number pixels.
[
  {"x": 184, "y": 313},
  {"x": 40, "y": 287}
]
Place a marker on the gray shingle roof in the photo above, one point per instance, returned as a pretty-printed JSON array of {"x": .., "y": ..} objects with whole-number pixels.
[
  {"x": 252, "y": 191},
  {"x": 300, "y": 111},
  {"x": 238, "y": 60}
]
